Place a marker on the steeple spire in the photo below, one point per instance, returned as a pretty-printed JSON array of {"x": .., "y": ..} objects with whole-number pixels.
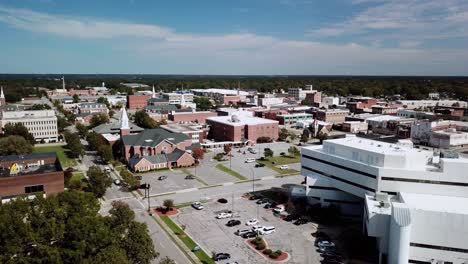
[
  {"x": 154, "y": 93},
  {"x": 63, "y": 82},
  {"x": 124, "y": 120},
  {"x": 2, "y": 95}
]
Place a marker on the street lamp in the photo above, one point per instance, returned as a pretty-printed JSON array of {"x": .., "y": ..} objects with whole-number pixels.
[{"x": 147, "y": 194}]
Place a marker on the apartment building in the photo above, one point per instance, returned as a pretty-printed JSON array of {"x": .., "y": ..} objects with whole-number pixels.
[
  {"x": 42, "y": 124},
  {"x": 414, "y": 202}
]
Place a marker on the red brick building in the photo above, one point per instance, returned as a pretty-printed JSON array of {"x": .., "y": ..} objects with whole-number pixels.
[
  {"x": 30, "y": 174},
  {"x": 242, "y": 128},
  {"x": 178, "y": 158},
  {"x": 357, "y": 104},
  {"x": 191, "y": 117},
  {"x": 72, "y": 92},
  {"x": 314, "y": 98},
  {"x": 137, "y": 102}
]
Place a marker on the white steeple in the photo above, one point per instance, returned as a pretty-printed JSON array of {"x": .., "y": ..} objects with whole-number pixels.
[
  {"x": 2, "y": 96},
  {"x": 63, "y": 83},
  {"x": 124, "y": 119},
  {"x": 154, "y": 93}
]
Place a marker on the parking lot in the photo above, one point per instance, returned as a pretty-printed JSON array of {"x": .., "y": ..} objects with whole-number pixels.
[
  {"x": 214, "y": 236},
  {"x": 175, "y": 181}
]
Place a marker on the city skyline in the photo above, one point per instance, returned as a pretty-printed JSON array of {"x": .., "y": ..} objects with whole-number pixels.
[{"x": 285, "y": 37}]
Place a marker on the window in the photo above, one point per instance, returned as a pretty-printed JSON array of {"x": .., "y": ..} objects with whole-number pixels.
[{"x": 34, "y": 189}]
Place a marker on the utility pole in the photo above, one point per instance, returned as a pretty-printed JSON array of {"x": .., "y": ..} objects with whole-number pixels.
[{"x": 149, "y": 205}]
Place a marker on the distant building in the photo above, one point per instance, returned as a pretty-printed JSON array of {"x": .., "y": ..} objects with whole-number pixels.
[
  {"x": 314, "y": 98},
  {"x": 196, "y": 132},
  {"x": 299, "y": 93},
  {"x": 412, "y": 104},
  {"x": 329, "y": 101},
  {"x": 242, "y": 128},
  {"x": 384, "y": 110},
  {"x": 223, "y": 96},
  {"x": 2, "y": 97},
  {"x": 135, "y": 85},
  {"x": 42, "y": 124},
  {"x": 191, "y": 117},
  {"x": 293, "y": 118},
  {"x": 89, "y": 108},
  {"x": 355, "y": 126},
  {"x": 333, "y": 116},
  {"x": 356, "y": 104},
  {"x": 31, "y": 174},
  {"x": 440, "y": 134},
  {"x": 137, "y": 102}
]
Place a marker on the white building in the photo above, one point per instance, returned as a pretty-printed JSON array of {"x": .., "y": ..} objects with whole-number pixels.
[
  {"x": 412, "y": 104},
  {"x": 414, "y": 203},
  {"x": 440, "y": 134},
  {"x": 329, "y": 100},
  {"x": 269, "y": 101},
  {"x": 42, "y": 124},
  {"x": 299, "y": 93}
]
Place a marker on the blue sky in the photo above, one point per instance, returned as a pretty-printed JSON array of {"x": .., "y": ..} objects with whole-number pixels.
[{"x": 359, "y": 37}]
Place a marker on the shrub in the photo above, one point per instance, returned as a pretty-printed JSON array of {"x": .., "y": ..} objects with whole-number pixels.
[
  {"x": 267, "y": 251},
  {"x": 274, "y": 255},
  {"x": 219, "y": 156},
  {"x": 260, "y": 246},
  {"x": 257, "y": 240},
  {"x": 279, "y": 252},
  {"x": 222, "y": 200}
]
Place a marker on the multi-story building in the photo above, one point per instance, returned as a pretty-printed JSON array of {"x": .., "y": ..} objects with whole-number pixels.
[
  {"x": 42, "y": 124},
  {"x": 384, "y": 110},
  {"x": 440, "y": 134},
  {"x": 314, "y": 98},
  {"x": 355, "y": 126},
  {"x": 191, "y": 117},
  {"x": 293, "y": 118},
  {"x": 299, "y": 93},
  {"x": 178, "y": 98},
  {"x": 267, "y": 100},
  {"x": 333, "y": 116},
  {"x": 414, "y": 202},
  {"x": 412, "y": 104},
  {"x": 29, "y": 175},
  {"x": 242, "y": 128},
  {"x": 196, "y": 132},
  {"x": 137, "y": 102},
  {"x": 329, "y": 100},
  {"x": 222, "y": 96},
  {"x": 90, "y": 108},
  {"x": 356, "y": 104}
]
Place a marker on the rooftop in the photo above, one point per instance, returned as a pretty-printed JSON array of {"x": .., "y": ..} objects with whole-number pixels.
[
  {"x": 438, "y": 203},
  {"x": 152, "y": 138},
  {"x": 384, "y": 118},
  {"x": 241, "y": 120}
]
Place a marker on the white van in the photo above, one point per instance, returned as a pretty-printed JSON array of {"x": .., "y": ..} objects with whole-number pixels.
[
  {"x": 249, "y": 160},
  {"x": 267, "y": 230},
  {"x": 279, "y": 209},
  {"x": 240, "y": 232}
]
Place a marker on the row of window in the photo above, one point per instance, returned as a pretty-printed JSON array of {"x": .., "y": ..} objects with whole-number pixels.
[
  {"x": 38, "y": 128},
  {"x": 34, "y": 189},
  {"x": 46, "y": 133},
  {"x": 34, "y": 123}
]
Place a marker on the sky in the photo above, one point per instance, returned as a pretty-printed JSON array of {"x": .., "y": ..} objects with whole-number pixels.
[{"x": 242, "y": 37}]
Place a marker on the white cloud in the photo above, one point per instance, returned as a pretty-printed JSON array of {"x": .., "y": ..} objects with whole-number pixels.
[{"x": 237, "y": 53}]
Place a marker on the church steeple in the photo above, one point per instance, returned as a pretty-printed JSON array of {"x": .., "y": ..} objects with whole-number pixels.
[
  {"x": 153, "y": 95},
  {"x": 2, "y": 97},
  {"x": 124, "y": 123}
]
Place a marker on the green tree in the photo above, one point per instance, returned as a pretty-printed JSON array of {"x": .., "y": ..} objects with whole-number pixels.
[
  {"x": 268, "y": 153},
  {"x": 76, "y": 99},
  {"x": 40, "y": 107},
  {"x": 128, "y": 178},
  {"x": 98, "y": 119},
  {"x": 142, "y": 119},
  {"x": 103, "y": 100},
  {"x": 105, "y": 151},
  {"x": 203, "y": 103},
  {"x": 304, "y": 138},
  {"x": 111, "y": 113},
  {"x": 82, "y": 130},
  {"x": 18, "y": 129},
  {"x": 168, "y": 203},
  {"x": 74, "y": 144},
  {"x": 293, "y": 151},
  {"x": 62, "y": 123},
  {"x": 283, "y": 134},
  {"x": 14, "y": 145},
  {"x": 98, "y": 180}
]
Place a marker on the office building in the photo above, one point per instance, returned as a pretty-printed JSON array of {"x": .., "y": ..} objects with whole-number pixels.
[
  {"x": 333, "y": 116},
  {"x": 42, "y": 124},
  {"x": 414, "y": 202}
]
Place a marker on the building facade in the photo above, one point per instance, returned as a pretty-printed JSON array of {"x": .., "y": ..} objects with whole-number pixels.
[
  {"x": 333, "y": 116},
  {"x": 395, "y": 189},
  {"x": 42, "y": 124},
  {"x": 137, "y": 102},
  {"x": 191, "y": 117}
]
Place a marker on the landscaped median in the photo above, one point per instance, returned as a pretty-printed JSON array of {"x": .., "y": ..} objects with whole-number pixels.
[
  {"x": 225, "y": 169},
  {"x": 260, "y": 245},
  {"x": 278, "y": 161},
  {"x": 204, "y": 258}
]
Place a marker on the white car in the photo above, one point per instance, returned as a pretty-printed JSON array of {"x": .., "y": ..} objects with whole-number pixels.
[
  {"x": 223, "y": 215},
  {"x": 117, "y": 182},
  {"x": 267, "y": 230},
  {"x": 279, "y": 209},
  {"x": 240, "y": 232},
  {"x": 251, "y": 222},
  {"x": 257, "y": 228},
  {"x": 284, "y": 167},
  {"x": 249, "y": 160},
  {"x": 197, "y": 205}
]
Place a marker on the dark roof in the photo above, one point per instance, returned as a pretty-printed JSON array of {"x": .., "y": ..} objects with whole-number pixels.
[
  {"x": 193, "y": 146},
  {"x": 156, "y": 159},
  {"x": 152, "y": 138},
  {"x": 164, "y": 109},
  {"x": 175, "y": 155},
  {"x": 158, "y": 100},
  {"x": 14, "y": 158},
  {"x": 114, "y": 128}
]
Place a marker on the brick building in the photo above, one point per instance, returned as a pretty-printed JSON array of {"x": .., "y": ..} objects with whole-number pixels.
[
  {"x": 191, "y": 117},
  {"x": 178, "y": 158},
  {"x": 333, "y": 116},
  {"x": 30, "y": 174},
  {"x": 358, "y": 103},
  {"x": 242, "y": 128},
  {"x": 196, "y": 132},
  {"x": 137, "y": 102}
]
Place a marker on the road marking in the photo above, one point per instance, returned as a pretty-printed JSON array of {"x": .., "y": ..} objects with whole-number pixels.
[
  {"x": 228, "y": 183},
  {"x": 187, "y": 190}
]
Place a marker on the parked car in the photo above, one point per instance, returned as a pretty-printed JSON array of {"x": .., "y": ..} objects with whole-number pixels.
[
  {"x": 301, "y": 221},
  {"x": 221, "y": 256},
  {"x": 279, "y": 209},
  {"x": 257, "y": 228},
  {"x": 282, "y": 154},
  {"x": 291, "y": 217},
  {"x": 117, "y": 182},
  {"x": 251, "y": 222},
  {"x": 267, "y": 230},
  {"x": 250, "y": 234},
  {"x": 190, "y": 177},
  {"x": 324, "y": 249},
  {"x": 107, "y": 169},
  {"x": 233, "y": 223},
  {"x": 321, "y": 240},
  {"x": 223, "y": 215},
  {"x": 259, "y": 165},
  {"x": 284, "y": 167},
  {"x": 162, "y": 177},
  {"x": 240, "y": 232},
  {"x": 249, "y": 160},
  {"x": 197, "y": 205},
  {"x": 325, "y": 243},
  {"x": 138, "y": 178},
  {"x": 270, "y": 205},
  {"x": 262, "y": 201}
]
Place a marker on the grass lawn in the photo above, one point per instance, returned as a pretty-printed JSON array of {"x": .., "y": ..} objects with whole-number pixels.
[
  {"x": 78, "y": 180},
  {"x": 61, "y": 153},
  {"x": 204, "y": 258},
  {"x": 79, "y": 175},
  {"x": 221, "y": 167},
  {"x": 281, "y": 160}
]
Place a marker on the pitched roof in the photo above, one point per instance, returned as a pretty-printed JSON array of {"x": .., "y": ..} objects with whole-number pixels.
[
  {"x": 175, "y": 155},
  {"x": 156, "y": 159},
  {"x": 152, "y": 138},
  {"x": 114, "y": 127}
]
